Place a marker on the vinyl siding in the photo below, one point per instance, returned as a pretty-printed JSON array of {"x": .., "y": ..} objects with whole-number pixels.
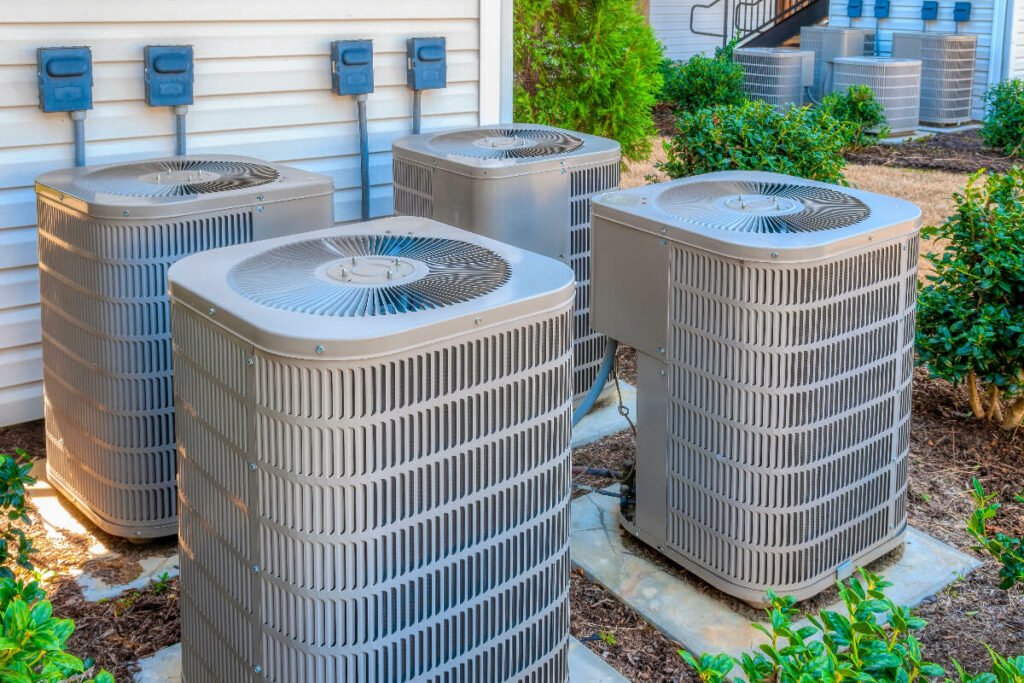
[
  {"x": 1017, "y": 46},
  {"x": 905, "y": 15},
  {"x": 670, "y": 20},
  {"x": 262, "y": 89}
]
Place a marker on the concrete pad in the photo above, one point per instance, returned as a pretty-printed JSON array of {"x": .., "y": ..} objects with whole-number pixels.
[
  {"x": 604, "y": 419},
  {"x": 161, "y": 667},
  {"x": 584, "y": 666},
  {"x": 95, "y": 588},
  {"x": 686, "y": 611}
]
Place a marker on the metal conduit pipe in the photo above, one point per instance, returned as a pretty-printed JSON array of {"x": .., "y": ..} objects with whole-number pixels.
[{"x": 78, "y": 118}]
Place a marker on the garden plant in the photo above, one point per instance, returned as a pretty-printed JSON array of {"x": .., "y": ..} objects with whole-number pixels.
[
  {"x": 1004, "y": 117},
  {"x": 858, "y": 108},
  {"x": 753, "y": 136},
  {"x": 588, "y": 65},
  {"x": 971, "y": 310},
  {"x": 702, "y": 82},
  {"x": 1009, "y": 551}
]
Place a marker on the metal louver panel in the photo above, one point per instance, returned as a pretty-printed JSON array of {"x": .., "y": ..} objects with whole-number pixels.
[
  {"x": 106, "y": 360},
  {"x": 829, "y": 42},
  {"x": 365, "y": 275},
  {"x": 760, "y": 207},
  {"x": 413, "y": 187},
  {"x": 774, "y": 75},
  {"x": 896, "y": 84},
  {"x": 401, "y": 517},
  {"x": 505, "y": 143},
  {"x": 179, "y": 177}
]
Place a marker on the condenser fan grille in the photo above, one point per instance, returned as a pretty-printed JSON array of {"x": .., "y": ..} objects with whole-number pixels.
[
  {"x": 179, "y": 177},
  {"x": 762, "y": 207},
  {"x": 505, "y": 143},
  {"x": 369, "y": 275}
]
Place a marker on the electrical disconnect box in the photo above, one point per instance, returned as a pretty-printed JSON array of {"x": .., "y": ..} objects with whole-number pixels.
[
  {"x": 855, "y": 8},
  {"x": 962, "y": 11},
  {"x": 65, "y": 78},
  {"x": 881, "y": 9},
  {"x": 352, "y": 67},
  {"x": 427, "y": 63},
  {"x": 169, "y": 75},
  {"x": 930, "y": 10}
]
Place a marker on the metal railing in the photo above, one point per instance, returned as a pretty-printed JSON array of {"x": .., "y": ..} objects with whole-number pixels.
[{"x": 747, "y": 19}]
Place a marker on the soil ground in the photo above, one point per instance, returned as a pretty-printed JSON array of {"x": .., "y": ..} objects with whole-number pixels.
[{"x": 961, "y": 152}]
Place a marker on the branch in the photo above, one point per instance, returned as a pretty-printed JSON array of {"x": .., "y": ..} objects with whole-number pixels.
[
  {"x": 1015, "y": 415},
  {"x": 972, "y": 389}
]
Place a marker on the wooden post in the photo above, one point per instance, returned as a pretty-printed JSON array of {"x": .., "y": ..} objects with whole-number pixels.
[{"x": 644, "y": 7}]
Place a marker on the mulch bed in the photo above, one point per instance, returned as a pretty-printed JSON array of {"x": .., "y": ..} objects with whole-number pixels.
[
  {"x": 962, "y": 152},
  {"x": 947, "y": 449}
]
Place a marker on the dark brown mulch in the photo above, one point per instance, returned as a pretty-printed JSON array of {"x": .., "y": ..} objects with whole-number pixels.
[
  {"x": 119, "y": 632},
  {"x": 947, "y": 449},
  {"x": 29, "y": 437},
  {"x": 665, "y": 119},
  {"x": 962, "y": 152}
]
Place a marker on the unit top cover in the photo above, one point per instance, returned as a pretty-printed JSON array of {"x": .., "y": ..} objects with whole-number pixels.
[
  {"x": 507, "y": 149},
  {"x": 760, "y": 216},
  {"x": 368, "y": 288},
  {"x": 875, "y": 61},
  {"x": 174, "y": 186}
]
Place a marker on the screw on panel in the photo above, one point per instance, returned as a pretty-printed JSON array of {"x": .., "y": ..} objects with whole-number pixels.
[
  {"x": 259, "y": 198},
  {"x": 212, "y": 311},
  {"x": 664, "y": 242},
  {"x": 252, "y": 467},
  {"x": 477, "y": 321},
  {"x": 664, "y": 230},
  {"x": 661, "y": 372},
  {"x": 775, "y": 254},
  {"x": 250, "y": 361},
  {"x": 125, "y": 212},
  {"x": 259, "y": 209},
  {"x": 257, "y": 669},
  {"x": 255, "y": 569},
  {"x": 319, "y": 348},
  {"x": 661, "y": 349}
]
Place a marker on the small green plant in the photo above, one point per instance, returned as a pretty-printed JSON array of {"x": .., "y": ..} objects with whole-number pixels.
[
  {"x": 33, "y": 640},
  {"x": 1009, "y": 551},
  {"x": 753, "y": 136},
  {"x": 701, "y": 82},
  {"x": 971, "y": 310},
  {"x": 1004, "y": 670},
  {"x": 608, "y": 638},
  {"x": 858, "y": 108},
  {"x": 160, "y": 584},
  {"x": 1004, "y": 117},
  {"x": 15, "y": 545},
  {"x": 872, "y": 642},
  {"x": 588, "y": 65}
]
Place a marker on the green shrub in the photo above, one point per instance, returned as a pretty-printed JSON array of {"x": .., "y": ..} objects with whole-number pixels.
[
  {"x": 1004, "y": 670},
  {"x": 703, "y": 82},
  {"x": 971, "y": 311},
  {"x": 1004, "y": 117},
  {"x": 1007, "y": 550},
  {"x": 872, "y": 641},
  {"x": 753, "y": 136},
  {"x": 33, "y": 640},
  {"x": 858, "y": 108},
  {"x": 588, "y": 65},
  {"x": 14, "y": 544}
]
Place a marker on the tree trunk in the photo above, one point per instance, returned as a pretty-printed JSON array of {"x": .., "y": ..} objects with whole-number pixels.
[
  {"x": 972, "y": 389},
  {"x": 1015, "y": 415},
  {"x": 995, "y": 405}
]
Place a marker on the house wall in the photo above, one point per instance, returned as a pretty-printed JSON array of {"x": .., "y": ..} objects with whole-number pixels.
[
  {"x": 905, "y": 15},
  {"x": 262, "y": 89},
  {"x": 670, "y": 20},
  {"x": 1017, "y": 45}
]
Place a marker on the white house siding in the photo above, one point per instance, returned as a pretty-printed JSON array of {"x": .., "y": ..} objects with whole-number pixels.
[
  {"x": 905, "y": 15},
  {"x": 262, "y": 89},
  {"x": 670, "y": 20},
  {"x": 1017, "y": 45}
]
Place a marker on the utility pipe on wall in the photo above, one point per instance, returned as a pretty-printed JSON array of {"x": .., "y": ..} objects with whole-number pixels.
[{"x": 78, "y": 119}]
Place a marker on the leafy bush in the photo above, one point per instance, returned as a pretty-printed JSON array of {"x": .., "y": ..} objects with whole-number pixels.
[
  {"x": 32, "y": 644},
  {"x": 873, "y": 641},
  {"x": 588, "y": 65},
  {"x": 1008, "y": 550},
  {"x": 858, "y": 108},
  {"x": 702, "y": 82},
  {"x": 14, "y": 544},
  {"x": 1004, "y": 670},
  {"x": 753, "y": 136},
  {"x": 971, "y": 312},
  {"x": 1004, "y": 117}
]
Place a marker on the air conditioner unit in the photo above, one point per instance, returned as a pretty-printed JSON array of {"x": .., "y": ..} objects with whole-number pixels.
[
  {"x": 107, "y": 235},
  {"x": 773, "y": 319},
  {"x": 776, "y": 75},
  {"x": 527, "y": 185},
  {"x": 896, "y": 84},
  {"x": 829, "y": 42},
  {"x": 374, "y": 477},
  {"x": 947, "y": 73}
]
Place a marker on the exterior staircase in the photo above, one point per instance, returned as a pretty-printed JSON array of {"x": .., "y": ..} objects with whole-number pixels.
[{"x": 761, "y": 23}]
